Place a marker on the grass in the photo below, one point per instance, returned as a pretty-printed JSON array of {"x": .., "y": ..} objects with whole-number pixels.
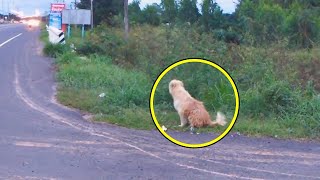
[
  {"x": 44, "y": 33},
  {"x": 126, "y": 92},
  {"x": 275, "y": 100},
  {"x": 89, "y": 101},
  {"x": 272, "y": 128}
]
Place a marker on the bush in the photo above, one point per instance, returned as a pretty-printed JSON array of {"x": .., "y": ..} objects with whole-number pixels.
[
  {"x": 108, "y": 40},
  {"x": 226, "y": 36},
  {"x": 279, "y": 97},
  {"x": 65, "y": 58},
  {"x": 89, "y": 48},
  {"x": 53, "y": 50}
]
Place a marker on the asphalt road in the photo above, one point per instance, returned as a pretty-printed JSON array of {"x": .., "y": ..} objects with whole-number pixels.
[{"x": 40, "y": 139}]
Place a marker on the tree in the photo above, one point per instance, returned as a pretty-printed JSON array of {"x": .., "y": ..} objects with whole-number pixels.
[
  {"x": 135, "y": 13},
  {"x": 151, "y": 14},
  {"x": 269, "y": 20},
  {"x": 303, "y": 28},
  {"x": 246, "y": 8},
  {"x": 212, "y": 17},
  {"x": 188, "y": 11},
  {"x": 170, "y": 10},
  {"x": 262, "y": 20}
]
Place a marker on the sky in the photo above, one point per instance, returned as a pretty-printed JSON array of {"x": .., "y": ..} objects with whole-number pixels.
[
  {"x": 228, "y": 6},
  {"x": 36, "y": 7},
  {"x": 28, "y": 7}
]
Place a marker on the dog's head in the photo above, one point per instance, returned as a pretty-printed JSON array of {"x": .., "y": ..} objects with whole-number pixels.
[{"x": 174, "y": 84}]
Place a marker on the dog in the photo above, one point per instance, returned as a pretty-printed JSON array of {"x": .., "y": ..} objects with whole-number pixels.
[{"x": 191, "y": 111}]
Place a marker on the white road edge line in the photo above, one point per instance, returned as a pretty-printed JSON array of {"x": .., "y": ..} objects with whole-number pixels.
[
  {"x": 91, "y": 131},
  {"x": 10, "y": 39}
]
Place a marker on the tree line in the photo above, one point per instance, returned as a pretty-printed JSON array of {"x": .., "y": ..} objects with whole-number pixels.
[
  {"x": 10, "y": 17},
  {"x": 254, "y": 21}
]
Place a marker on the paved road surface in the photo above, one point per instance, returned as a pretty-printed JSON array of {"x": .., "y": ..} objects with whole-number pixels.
[{"x": 40, "y": 139}]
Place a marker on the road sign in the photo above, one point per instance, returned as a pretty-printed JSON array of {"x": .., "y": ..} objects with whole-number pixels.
[
  {"x": 57, "y": 7},
  {"x": 55, "y": 17},
  {"x": 55, "y": 20}
]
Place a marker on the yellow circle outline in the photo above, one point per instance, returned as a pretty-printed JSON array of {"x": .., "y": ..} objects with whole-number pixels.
[{"x": 204, "y": 61}]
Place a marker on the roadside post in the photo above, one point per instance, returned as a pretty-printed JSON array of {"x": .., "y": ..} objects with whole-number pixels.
[
  {"x": 69, "y": 30},
  {"x": 56, "y": 36},
  {"x": 82, "y": 34}
]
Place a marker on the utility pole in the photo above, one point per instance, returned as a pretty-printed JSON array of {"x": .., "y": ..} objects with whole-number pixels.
[
  {"x": 126, "y": 20},
  {"x": 8, "y": 14},
  {"x": 91, "y": 14},
  {"x": 2, "y": 9}
]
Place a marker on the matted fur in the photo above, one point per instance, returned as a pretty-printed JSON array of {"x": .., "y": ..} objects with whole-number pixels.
[{"x": 190, "y": 110}]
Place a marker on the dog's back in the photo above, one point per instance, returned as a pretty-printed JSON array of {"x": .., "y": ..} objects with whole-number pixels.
[{"x": 197, "y": 114}]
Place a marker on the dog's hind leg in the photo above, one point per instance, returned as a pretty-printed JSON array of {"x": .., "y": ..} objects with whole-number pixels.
[
  {"x": 183, "y": 121},
  {"x": 192, "y": 130}
]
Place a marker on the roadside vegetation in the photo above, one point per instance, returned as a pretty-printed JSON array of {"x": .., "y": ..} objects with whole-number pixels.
[{"x": 270, "y": 48}]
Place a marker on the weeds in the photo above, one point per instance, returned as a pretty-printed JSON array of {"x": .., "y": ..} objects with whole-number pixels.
[
  {"x": 53, "y": 50},
  {"x": 275, "y": 98}
]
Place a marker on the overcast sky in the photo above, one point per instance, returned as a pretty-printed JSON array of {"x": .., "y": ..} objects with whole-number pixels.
[{"x": 32, "y": 7}]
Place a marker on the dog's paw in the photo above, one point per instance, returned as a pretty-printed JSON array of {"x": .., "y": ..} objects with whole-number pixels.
[
  {"x": 182, "y": 125},
  {"x": 193, "y": 130}
]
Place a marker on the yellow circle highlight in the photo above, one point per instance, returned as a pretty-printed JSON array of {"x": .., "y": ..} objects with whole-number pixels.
[{"x": 236, "y": 94}]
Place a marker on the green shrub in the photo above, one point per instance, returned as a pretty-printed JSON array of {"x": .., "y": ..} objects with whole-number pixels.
[
  {"x": 53, "y": 50},
  {"x": 280, "y": 97},
  {"x": 89, "y": 48},
  {"x": 107, "y": 39},
  {"x": 66, "y": 57}
]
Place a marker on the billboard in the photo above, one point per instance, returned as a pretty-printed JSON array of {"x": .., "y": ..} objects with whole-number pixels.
[
  {"x": 76, "y": 16},
  {"x": 55, "y": 20}
]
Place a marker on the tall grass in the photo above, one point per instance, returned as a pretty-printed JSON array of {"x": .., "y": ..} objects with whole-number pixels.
[
  {"x": 122, "y": 88},
  {"x": 277, "y": 97}
]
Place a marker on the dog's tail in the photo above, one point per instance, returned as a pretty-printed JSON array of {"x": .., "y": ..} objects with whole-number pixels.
[{"x": 220, "y": 120}]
